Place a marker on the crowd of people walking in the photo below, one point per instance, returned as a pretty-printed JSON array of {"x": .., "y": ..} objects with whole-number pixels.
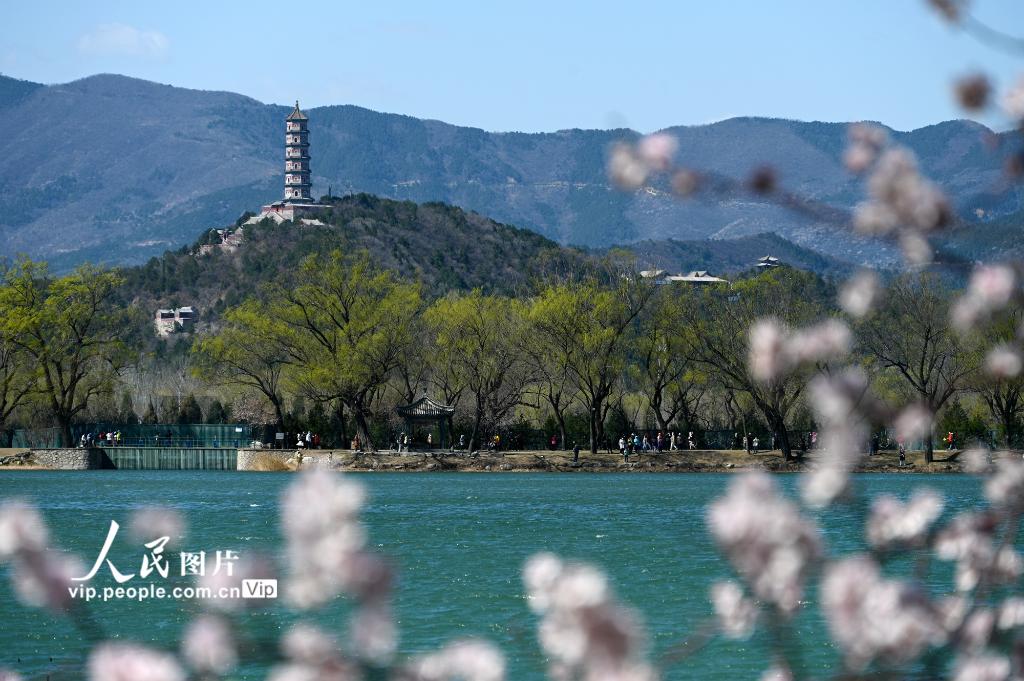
[
  {"x": 102, "y": 439},
  {"x": 635, "y": 444}
]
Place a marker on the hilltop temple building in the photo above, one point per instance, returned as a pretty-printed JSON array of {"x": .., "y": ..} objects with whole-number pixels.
[{"x": 298, "y": 189}]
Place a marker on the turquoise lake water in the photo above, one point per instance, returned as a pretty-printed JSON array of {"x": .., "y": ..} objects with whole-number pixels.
[{"x": 459, "y": 541}]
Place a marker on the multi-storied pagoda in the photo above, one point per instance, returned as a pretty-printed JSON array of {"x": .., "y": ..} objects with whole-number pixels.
[
  {"x": 297, "y": 186},
  {"x": 298, "y": 189}
]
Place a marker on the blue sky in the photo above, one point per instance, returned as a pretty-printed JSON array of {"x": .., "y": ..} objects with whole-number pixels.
[{"x": 528, "y": 65}]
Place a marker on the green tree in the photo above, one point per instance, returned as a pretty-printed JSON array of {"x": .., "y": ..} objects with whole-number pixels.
[
  {"x": 168, "y": 409},
  {"x": 347, "y": 328},
  {"x": 910, "y": 334},
  {"x": 476, "y": 336},
  {"x": 190, "y": 411},
  {"x": 126, "y": 411},
  {"x": 551, "y": 378},
  {"x": 718, "y": 328},
  {"x": 71, "y": 329},
  {"x": 150, "y": 418},
  {"x": 318, "y": 420},
  {"x": 1003, "y": 395},
  {"x": 966, "y": 427},
  {"x": 588, "y": 328},
  {"x": 668, "y": 376},
  {"x": 216, "y": 412},
  {"x": 249, "y": 350},
  {"x": 16, "y": 380},
  {"x": 296, "y": 417},
  {"x": 414, "y": 368}
]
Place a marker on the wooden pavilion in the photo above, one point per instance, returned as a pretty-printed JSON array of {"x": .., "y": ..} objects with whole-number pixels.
[{"x": 427, "y": 412}]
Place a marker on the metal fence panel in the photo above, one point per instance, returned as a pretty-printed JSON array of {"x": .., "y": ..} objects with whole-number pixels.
[{"x": 172, "y": 458}]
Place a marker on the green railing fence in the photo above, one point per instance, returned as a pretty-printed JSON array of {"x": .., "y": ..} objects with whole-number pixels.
[{"x": 143, "y": 435}]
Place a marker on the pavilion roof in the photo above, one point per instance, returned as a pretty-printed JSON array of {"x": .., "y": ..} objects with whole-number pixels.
[
  {"x": 697, "y": 276},
  {"x": 425, "y": 407}
]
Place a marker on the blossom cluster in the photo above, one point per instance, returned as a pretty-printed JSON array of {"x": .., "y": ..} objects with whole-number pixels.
[
  {"x": 327, "y": 555},
  {"x": 895, "y": 524},
  {"x": 776, "y": 350},
  {"x": 585, "y": 632},
  {"x": 40, "y": 575},
  {"x": 769, "y": 543},
  {"x": 630, "y": 166},
  {"x": 871, "y": 617},
  {"x": 901, "y": 203},
  {"x": 990, "y": 291},
  {"x": 841, "y": 404}
]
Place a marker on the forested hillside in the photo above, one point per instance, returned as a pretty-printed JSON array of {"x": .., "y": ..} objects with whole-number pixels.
[
  {"x": 440, "y": 246},
  {"x": 443, "y": 247}
]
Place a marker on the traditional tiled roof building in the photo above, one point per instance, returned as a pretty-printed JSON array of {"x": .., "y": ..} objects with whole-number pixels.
[{"x": 169, "y": 321}]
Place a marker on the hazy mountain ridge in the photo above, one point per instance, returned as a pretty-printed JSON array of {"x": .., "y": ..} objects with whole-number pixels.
[{"x": 117, "y": 169}]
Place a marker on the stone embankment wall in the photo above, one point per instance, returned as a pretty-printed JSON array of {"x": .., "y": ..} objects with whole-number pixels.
[
  {"x": 78, "y": 459},
  {"x": 135, "y": 458}
]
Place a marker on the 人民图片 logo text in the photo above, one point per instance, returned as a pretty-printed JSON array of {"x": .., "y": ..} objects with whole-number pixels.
[{"x": 155, "y": 565}]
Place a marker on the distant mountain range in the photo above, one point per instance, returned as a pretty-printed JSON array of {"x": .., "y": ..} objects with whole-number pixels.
[{"x": 114, "y": 169}]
